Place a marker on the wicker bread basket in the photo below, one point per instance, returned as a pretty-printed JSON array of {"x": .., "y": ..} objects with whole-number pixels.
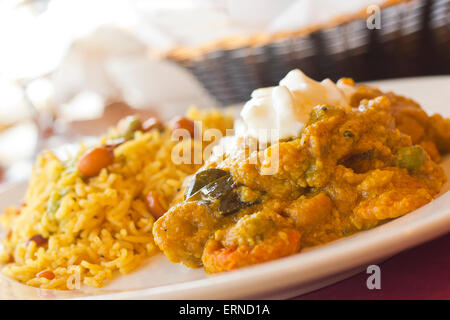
[{"x": 414, "y": 40}]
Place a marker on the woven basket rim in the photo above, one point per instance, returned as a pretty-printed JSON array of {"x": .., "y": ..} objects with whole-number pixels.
[{"x": 192, "y": 53}]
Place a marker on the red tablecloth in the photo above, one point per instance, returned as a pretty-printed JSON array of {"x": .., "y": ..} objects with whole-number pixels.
[{"x": 419, "y": 273}]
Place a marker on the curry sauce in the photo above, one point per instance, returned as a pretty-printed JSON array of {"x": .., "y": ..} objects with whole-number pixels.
[{"x": 348, "y": 170}]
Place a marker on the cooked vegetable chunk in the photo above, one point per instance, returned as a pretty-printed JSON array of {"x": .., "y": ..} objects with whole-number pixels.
[
  {"x": 262, "y": 236},
  {"x": 411, "y": 158},
  {"x": 183, "y": 231}
]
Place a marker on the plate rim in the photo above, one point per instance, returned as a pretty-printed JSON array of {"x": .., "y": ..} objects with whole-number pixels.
[{"x": 434, "y": 226}]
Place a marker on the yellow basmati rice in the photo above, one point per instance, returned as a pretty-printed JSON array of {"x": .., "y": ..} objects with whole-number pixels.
[{"x": 95, "y": 227}]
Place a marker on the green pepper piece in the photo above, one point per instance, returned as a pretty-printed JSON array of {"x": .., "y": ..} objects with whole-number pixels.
[{"x": 411, "y": 158}]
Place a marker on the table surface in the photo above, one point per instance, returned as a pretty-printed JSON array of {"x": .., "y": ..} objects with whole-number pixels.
[{"x": 422, "y": 272}]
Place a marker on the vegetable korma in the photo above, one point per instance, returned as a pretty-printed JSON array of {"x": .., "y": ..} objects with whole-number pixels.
[{"x": 348, "y": 170}]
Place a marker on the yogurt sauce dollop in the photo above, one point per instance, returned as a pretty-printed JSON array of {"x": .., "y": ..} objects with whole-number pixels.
[{"x": 286, "y": 108}]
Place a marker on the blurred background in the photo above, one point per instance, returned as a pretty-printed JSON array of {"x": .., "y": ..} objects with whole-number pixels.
[{"x": 69, "y": 69}]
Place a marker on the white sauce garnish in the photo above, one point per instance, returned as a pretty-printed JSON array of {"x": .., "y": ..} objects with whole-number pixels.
[{"x": 287, "y": 107}]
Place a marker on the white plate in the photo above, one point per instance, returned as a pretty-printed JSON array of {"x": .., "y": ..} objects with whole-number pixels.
[{"x": 286, "y": 277}]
